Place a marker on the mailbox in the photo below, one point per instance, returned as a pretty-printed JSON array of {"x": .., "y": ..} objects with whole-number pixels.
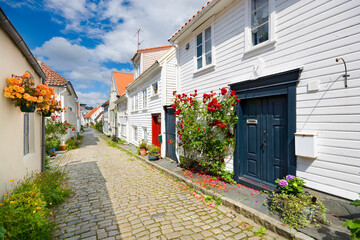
[
  {"x": 306, "y": 144},
  {"x": 160, "y": 138}
]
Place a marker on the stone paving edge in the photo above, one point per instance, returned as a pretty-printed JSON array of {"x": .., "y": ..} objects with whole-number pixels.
[{"x": 258, "y": 217}]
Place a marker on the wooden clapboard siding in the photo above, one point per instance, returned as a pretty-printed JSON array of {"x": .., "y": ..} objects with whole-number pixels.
[
  {"x": 142, "y": 117},
  {"x": 309, "y": 34},
  {"x": 170, "y": 81}
]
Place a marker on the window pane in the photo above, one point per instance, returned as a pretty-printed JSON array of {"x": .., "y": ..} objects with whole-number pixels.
[
  {"x": 260, "y": 34},
  {"x": 208, "y": 33},
  {"x": 199, "y": 63},
  {"x": 260, "y": 16},
  {"x": 199, "y": 51},
  {"x": 255, "y": 4},
  {"x": 208, "y": 58},
  {"x": 208, "y": 46},
  {"x": 199, "y": 39}
]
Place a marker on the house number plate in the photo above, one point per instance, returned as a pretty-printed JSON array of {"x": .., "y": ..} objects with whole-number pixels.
[{"x": 251, "y": 121}]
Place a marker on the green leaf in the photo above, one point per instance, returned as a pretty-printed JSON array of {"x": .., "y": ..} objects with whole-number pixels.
[{"x": 352, "y": 224}]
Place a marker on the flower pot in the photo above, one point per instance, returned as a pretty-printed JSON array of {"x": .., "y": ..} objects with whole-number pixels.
[
  {"x": 142, "y": 151},
  {"x": 63, "y": 146},
  {"x": 153, "y": 157},
  {"x": 48, "y": 114},
  {"x": 30, "y": 108}
]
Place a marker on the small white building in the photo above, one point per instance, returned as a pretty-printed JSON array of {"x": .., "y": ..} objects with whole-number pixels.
[
  {"x": 65, "y": 93},
  {"x": 149, "y": 95},
  {"x": 21, "y": 134},
  {"x": 119, "y": 82},
  {"x": 280, "y": 58},
  {"x": 105, "y": 118},
  {"x": 93, "y": 116}
]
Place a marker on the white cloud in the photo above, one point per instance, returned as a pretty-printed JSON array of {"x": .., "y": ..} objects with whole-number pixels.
[{"x": 92, "y": 98}]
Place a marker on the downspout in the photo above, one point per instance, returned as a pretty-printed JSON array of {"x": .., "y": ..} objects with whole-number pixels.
[{"x": 42, "y": 138}]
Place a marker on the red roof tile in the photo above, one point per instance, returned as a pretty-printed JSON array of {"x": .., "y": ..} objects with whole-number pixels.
[
  {"x": 91, "y": 112},
  {"x": 122, "y": 80},
  {"x": 52, "y": 77},
  {"x": 192, "y": 18}
]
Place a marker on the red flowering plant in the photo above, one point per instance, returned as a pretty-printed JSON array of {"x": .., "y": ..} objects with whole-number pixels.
[
  {"x": 54, "y": 128},
  {"x": 206, "y": 129}
]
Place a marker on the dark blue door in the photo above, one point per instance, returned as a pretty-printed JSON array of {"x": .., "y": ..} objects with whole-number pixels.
[
  {"x": 265, "y": 138},
  {"x": 170, "y": 130}
]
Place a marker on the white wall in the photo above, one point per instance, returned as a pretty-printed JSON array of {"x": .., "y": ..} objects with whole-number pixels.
[
  {"x": 309, "y": 34},
  {"x": 13, "y": 163},
  {"x": 142, "y": 118}
]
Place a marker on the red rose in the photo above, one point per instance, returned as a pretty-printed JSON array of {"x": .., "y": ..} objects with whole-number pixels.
[
  {"x": 174, "y": 93},
  {"x": 237, "y": 100},
  {"x": 198, "y": 129},
  {"x": 223, "y": 91},
  {"x": 233, "y": 93}
]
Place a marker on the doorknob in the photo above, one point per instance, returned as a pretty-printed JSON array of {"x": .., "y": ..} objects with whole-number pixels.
[{"x": 264, "y": 143}]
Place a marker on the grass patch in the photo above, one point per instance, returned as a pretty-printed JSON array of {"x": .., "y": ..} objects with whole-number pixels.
[{"x": 24, "y": 213}]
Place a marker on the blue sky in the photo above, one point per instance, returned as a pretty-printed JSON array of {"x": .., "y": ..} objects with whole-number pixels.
[{"x": 84, "y": 40}]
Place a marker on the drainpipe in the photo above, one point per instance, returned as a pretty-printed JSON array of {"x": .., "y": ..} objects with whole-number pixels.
[{"x": 43, "y": 139}]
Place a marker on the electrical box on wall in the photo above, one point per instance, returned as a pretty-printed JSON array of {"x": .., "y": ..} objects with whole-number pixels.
[
  {"x": 313, "y": 86},
  {"x": 306, "y": 144}
]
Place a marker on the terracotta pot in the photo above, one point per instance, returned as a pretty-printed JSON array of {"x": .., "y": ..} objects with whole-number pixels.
[
  {"x": 143, "y": 151},
  {"x": 63, "y": 146}
]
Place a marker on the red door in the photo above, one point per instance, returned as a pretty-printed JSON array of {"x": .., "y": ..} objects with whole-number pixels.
[{"x": 156, "y": 129}]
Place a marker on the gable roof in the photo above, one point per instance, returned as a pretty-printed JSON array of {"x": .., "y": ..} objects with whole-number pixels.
[
  {"x": 191, "y": 19},
  {"x": 122, "y": 80},
  {"x": 98, "y": 116},
  {"x": 91, "y": 112},
  {"x": 52, "y": 78},
  {"x": 154, "y": 49}
]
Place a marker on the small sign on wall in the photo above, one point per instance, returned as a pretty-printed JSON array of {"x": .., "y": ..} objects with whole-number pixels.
[{"x": 306, "y": 144}]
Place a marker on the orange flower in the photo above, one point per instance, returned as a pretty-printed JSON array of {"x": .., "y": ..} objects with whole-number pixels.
[
  {"x": 27, "y": 75},
  {"x": 1, "y": 204},
  {"x": 11, "y": 180},
  {"x": 37, "y": 208},
  {"x": 6, "y": 195}
]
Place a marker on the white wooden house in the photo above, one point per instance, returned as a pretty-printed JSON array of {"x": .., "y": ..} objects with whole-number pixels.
[
  {"x": 105, "y": 118},
  {"x": 280, "y": 58},
  {"x": 119, "y": 82},
  {"x": 21, "y": 134},
  {"x": 93, "y": 116},
  {"x": 65, "y": 93},
  {"x": 148, "y": 95}
]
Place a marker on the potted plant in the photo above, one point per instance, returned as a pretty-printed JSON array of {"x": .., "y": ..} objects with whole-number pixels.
[
  {"x": 63, "y": 145},
  {"x": 143, "y": 148},
  {"x": 52, "y": 143},
  {"x": 153, "y": 153},
  {"x": 47, "y": 103},
  {"x": 21, "y": 91}
]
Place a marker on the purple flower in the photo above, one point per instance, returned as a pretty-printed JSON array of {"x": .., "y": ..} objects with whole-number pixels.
[
  {"x": 289, "y": 177},
  {"x": 282, "y": 183}
]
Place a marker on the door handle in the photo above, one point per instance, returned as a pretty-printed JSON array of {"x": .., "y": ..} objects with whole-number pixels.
[{"x": 264, "y": 143}]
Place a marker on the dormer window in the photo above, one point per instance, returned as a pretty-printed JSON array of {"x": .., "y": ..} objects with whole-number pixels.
[{"x": 204, "y": 48}]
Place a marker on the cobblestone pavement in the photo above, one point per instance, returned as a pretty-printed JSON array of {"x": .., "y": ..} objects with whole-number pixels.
[{"x": 116, "y": 196}]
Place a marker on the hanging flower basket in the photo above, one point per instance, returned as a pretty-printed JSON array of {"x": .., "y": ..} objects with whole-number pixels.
[
  {"x": 48, "y": 114},
  {"x": 30, "y": 107}
]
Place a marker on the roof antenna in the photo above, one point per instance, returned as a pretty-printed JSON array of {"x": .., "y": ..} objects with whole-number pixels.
[{"x": 138, "y": 38}]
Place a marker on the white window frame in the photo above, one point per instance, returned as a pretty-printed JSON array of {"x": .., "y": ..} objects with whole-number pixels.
[
  {"x": 145, "y": 98},
  {"x": 137, "y": 69},
  {"x": 152, "y": 89},
  {"x": 145, "y": 134},
  {"x": 26, "y": 133},
  {"x": 135, "y": 133},
  {"x": 123, "y": 130},
  {"x": 206, "y": 25},
  {"x": 249, "y": 47},
  {"x": 135, "y": 102}
]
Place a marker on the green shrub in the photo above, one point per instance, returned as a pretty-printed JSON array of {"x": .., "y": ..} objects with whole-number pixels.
[
  {"x": 354, "y": 224},
  {"x": 98, "y": 126},
  {"x": 23, "y": 214},
  {"x": 71, "y": 144}
]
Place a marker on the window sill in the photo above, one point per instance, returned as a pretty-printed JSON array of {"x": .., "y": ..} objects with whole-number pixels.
[
  {"x": 206, "y": 68},
  {"x": 155, "y": 95},
  {"x": 260, "y": 47}
]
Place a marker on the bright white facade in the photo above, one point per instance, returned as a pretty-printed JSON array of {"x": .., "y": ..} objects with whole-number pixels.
[
  {"x": 20, "y": 133},
  {"x": 307, "y": 35}
]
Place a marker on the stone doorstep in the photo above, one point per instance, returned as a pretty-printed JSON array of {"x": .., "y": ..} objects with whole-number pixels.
[{"x": 258, "y": 217}]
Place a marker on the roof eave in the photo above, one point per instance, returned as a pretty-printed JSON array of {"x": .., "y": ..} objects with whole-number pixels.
[{"x": 143, "y": 76}]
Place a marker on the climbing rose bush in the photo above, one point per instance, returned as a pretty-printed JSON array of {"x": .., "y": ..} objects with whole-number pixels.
[{"x": 205, "y": 127}]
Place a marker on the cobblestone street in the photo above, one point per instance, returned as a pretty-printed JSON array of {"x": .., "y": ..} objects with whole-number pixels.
[{"x": 117, "y": 196}]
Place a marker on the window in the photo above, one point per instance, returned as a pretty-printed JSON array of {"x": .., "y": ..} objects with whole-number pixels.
[
  {"x": 260, "y": 24},
  {"x": 137, "y": 69},
  {"x": 123, "y": 130},
  {"x": 155, "y": 88},
  {"x": 145, "y": 134},
  {"x": 135, "y": 102},
  {"x": 26, "y": 133},
  {"x": 259, "y": 21},
  {"x": 145, "y": 98},
  {"x": 135, "y": 133},
  {"x": 204, "y": 49}
]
